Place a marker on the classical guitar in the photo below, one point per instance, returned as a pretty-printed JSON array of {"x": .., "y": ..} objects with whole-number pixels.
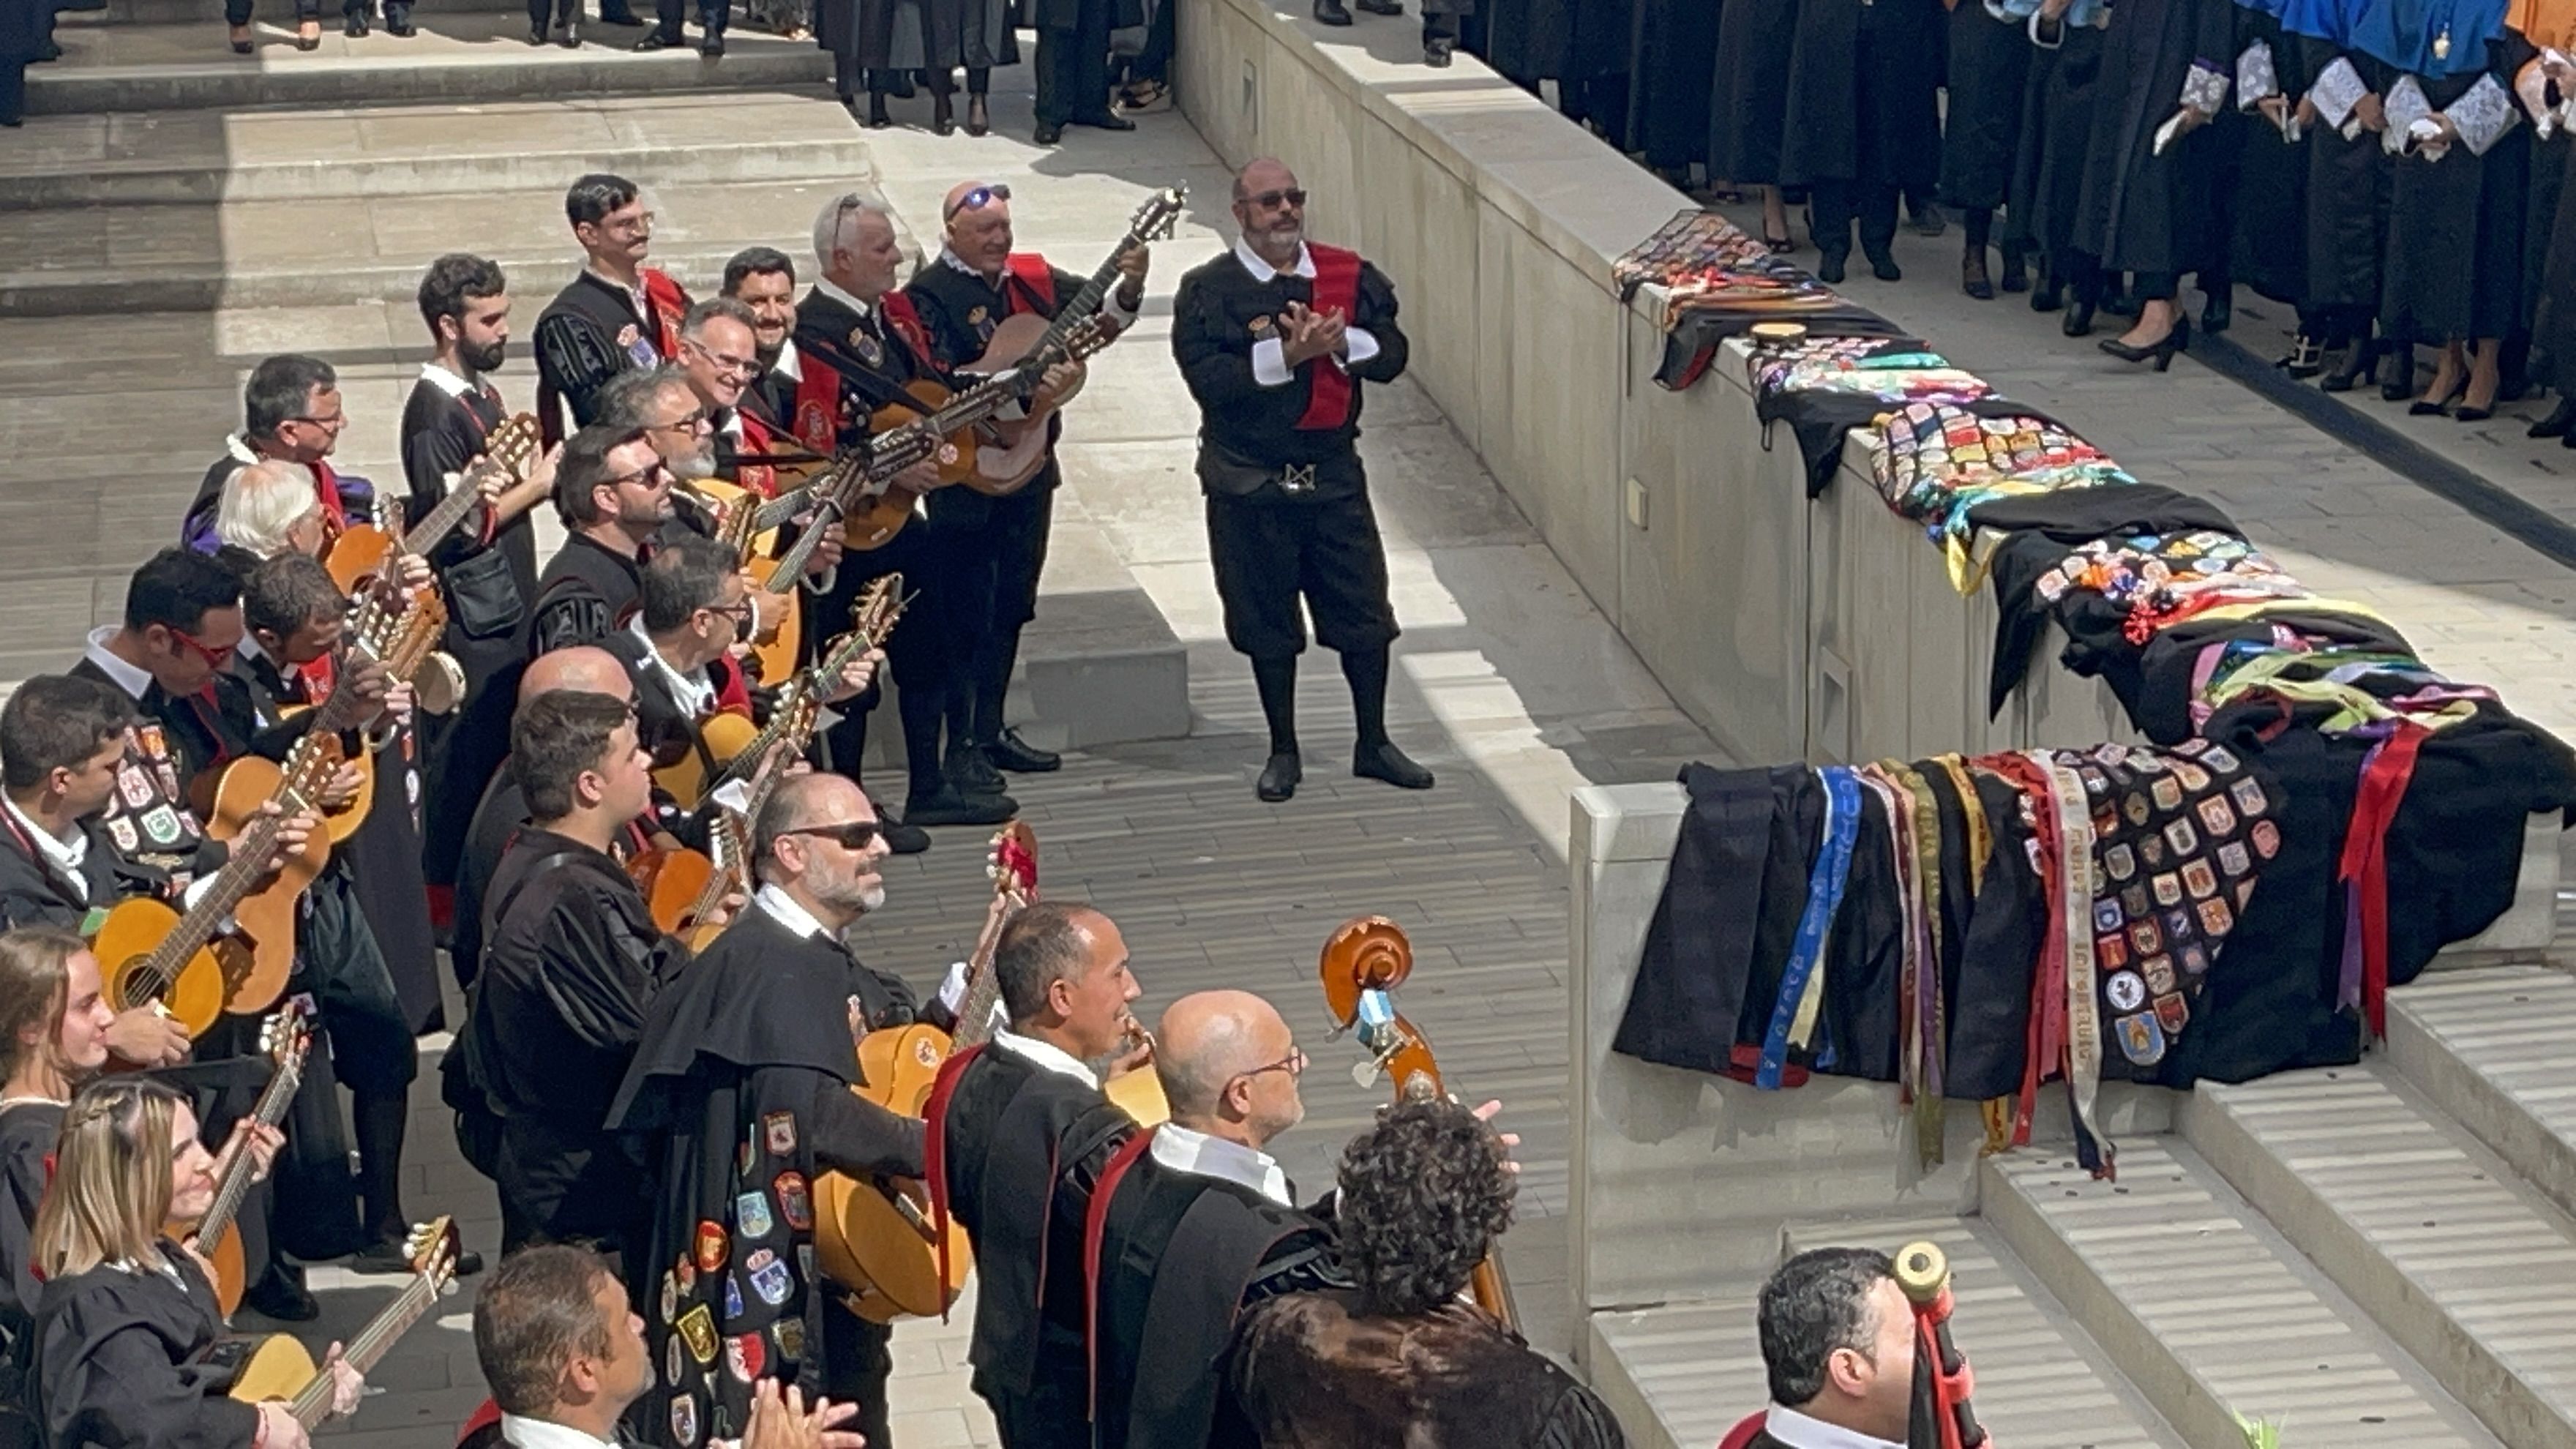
[
  {"x": 873, "y": 1237},
  {"x": 403, "y": 639},
  {"x": 283, "y": 1039},
  {"x": 364, "y": 550},
  {"x": 1011, "y": 453},
  {"x": 1363, "y": 962},
  {"x": 278, "y": 1367},
  {"x": 148, "y": 953}
]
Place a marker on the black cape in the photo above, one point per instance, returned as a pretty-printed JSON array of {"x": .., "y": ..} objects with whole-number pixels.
[
  {"x": 741, "y": 1086},
  {"x": 28, "y": 1128},
  {"x": 588, "y": 334},
  {"x": 113, "y": 1361},
  {"x": 1751, "y": 90},
  {"x": 2137, "y": 211},
  {"x": 1672, "y": 67},
  {"x": 588, "y": 592},
  {"x": 1989, "y": 60},
  {"x": 1863, "y": 102}
]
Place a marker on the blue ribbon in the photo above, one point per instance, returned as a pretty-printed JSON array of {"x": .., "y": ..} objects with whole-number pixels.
[{"x": 1825, "y": 883}]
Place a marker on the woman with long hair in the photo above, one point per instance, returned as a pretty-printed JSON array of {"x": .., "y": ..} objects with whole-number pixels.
[
  {"x": 53, "y": 1033},
  {"x": 126, "y": 1310}
]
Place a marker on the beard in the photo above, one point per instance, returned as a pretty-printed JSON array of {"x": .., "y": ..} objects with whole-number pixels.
[
  {"x": 1283, "y": 238},
  {"x": 844, "y": 893},
  {"x": 694, "y": 467},
  {"x": 767, "y": 356},
  {"x": 485, "y": 359}
]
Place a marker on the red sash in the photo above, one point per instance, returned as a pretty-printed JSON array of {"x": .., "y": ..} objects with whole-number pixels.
[
  {"x": 326, "y": 489},
  {"x": 1034, "y": 276},
  {"x": 667, "y": 304},
  {"x": 934, "y": 1150},
  {"x": 905, "y": 319},
  {"x": 815, "y": 415},
  {"x": 1337, "y": 289},
  {"x": 2364, "y": 864},
  {"x": 756, "y": 439},
  {"x": 1095, "y": 1223}
]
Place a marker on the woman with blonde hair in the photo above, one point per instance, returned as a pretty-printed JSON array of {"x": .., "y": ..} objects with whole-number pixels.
[
  {"x": 126, "y": 1311},
  {"x": 53, "y": 1032}
]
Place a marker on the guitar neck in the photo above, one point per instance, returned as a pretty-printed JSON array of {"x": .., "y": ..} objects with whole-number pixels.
[
  {"x": 439, "y": 522},
  {"x": 983, "y": 993},
  {"x": 197, "y": 926},
  {"x": 1085, "y": 302},
  {"x": 313, "y": 1403},
  {"x": 270, "y": 1111}
]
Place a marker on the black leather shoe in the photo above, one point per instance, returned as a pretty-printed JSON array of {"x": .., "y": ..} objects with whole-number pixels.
[
  {"x": 1107, "y": 121},
  {"x": 1279, "y": 777},
  {"x": 398, "y": 24},
  {"x": 1382, "y": 7},
  {"x": 1829, "y": 267},
  {"x": 1047, "y": 133},
  {"x": 2556, "y": 424},
  {"x": 568, "y": 35},
  {"x": 969, "y": 772},
  {"x": 2048, "y": 296},
  {"x": 2218, "y": 313},
  {"x": 1383, "y": 761},
  {"x": 354, "y": 27},
  {"x": 2078, "y": 321},
  {"x": 902, "y": 836},
  {"x": 952, "y": 806},
  {"x": 712, "y": 47},
  {"x": 2399, "y": 383},
  {"x": 1019, "y": 756},
  {"x": 659, "y": 40},
  {"x": 1330, "y": 12},
  {"x": 536, "y": 35},
  {"x": 1436, "y": 53},
  {"x": 279, "y": 1296},
  {"x": 1882, "y": 265}
]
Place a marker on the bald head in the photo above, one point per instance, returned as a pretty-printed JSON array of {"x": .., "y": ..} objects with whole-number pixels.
[
  {"x": 1270, "y": 210},
  {"x": 583, "y": 668},
  {"x": 813, "y": 798},
  {"x": 978, "y": 226},
  {"x": 1216, "y": 1052}
]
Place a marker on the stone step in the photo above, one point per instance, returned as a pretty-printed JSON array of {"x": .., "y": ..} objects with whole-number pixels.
[
  {"x": 272, "y": 15},
  {"x": 457, "y": 58},
  {"x": 2208, "y": 1311},
  {"x": 2436, "y": 1238},
  {"x": 319, "y": 251},
  {"x": 2489, "y": 1048},
  {"x": 200, "y": 158},
  {"x": 1680, "y": 1376}
]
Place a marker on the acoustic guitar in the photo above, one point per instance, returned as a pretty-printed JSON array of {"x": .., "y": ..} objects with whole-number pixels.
[
  {"x": 1363, "y": 962},
  {"x": 279, "y": 1368},
  {"x": 283, "y": 1039},
  {"x": 402, "y": 640},
  {"x": 1011, "y": 453},
  {"x": 150, "y": 954},
  {"x": 365, "y": 550}
]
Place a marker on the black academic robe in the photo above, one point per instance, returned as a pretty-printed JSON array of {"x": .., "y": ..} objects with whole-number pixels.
[
  {"x": 35, "y": 892},
  {"x": 2348, "y": 193},
  {"x": 1220, "y": 313},
  {"x": 571, "y": 963},
  {"x": 2137, "y": 211},
  {"x": 157, "y": 837},
  {"x": 28, "y": 1127},
  {"x": 1024, "y": 1146},
  {"x": 1989, "y": 60},
  {"x": 1749, "y": 105},
  {"x": 1310, "y": 1371},
  {"x": 488, "y": 581},
  {"x": 1181, "y": 1255},
  {"x": 588, "y": 334},
  {"x": 588, "y": 593},
  {"x": 114, "y": 1361},
  {"x": 1529, "y": 41},
  {"x": 1671, "y": 67},
  {"x": 1863, "y": 104},
  {"x": 906, "y": 35},
  {"x": 2554, "y": 305},
  {"x": 2058, "y": 97},
  {"x": 2455, "y": 228},
  {"x": 741, "y": 1092},
  {"x": 1594, "y": 88},
  {"x": 2268, "y": 242}
]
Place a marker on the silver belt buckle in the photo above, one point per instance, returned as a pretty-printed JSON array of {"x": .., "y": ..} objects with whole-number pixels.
[{"x": 1297, "y": 480}]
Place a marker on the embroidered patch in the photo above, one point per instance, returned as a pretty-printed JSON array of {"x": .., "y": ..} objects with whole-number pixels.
[
  {"x": 2168, "y": 793},
  {"x": 121, "y": 830},
  {"x": 870, "y": 351},
  {"x": 791, "y": 1337},
  {"x": 2106, "y": 915},
  {"x": 697, "y": 1328},
  {"x": 2124, "y": 990},
  {"x": 751, "y": 1216},
  {"x": 2145, "y": 936},
  {"x": 162, "y": 825},
  {"x": 711, "y": 1247},
  {"x": 2120, "y": 861},
  {"x": 794, "y": 1203},
  {"x": 2233, "y": 859},
  {"x": 154, "y": 742},
  {"x": 2152, "y": 851},
  {"x": 976, "y": 315},
  {"x": 2216, "y": 919},
  {"x": 2193, "y": 777},
  {"x": 2135, "y": 807},
  {"x": 778, "y": 1133},
  {"x": 684, "y": 1420},
  {"x": 2182, "y": 837},
  {"x": 2168, "y": 889},
  {"x": 773, "y": 1282},
  {"x": 688, "y": 1273},
  {"x": 671, "y": 1360},
  {"x": 2172, "y": 1013},
  {"x": 925, "y": 1053},
  {"x": 2111, "y": 952},
  {"x": 1261, "y": 326},
  {"x": 2249, "y": 797},
  {"x": 670, "y": 1295},
  {"x": 2195, "y": 961},
  {"x": 2267, "y": 839},
  {"x": 2217, "y": 758},
  {"x": 805, "y": 1260},
  {"x": 733, "y": 1299},
  {"x": 2215, "y": 817},
  {"x": 2199, "y": 879},
  {"x": 2134, "y": 899},
  {"x": 746, "y": 1356},
  {"x": 134, "y": 787},
  {"x": 2177, "y": 926},
  {"x": 2159, "y": 971},
  {"x": 2141, "y": 1040}
]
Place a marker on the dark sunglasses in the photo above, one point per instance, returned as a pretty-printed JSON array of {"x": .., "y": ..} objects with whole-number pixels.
[
  {"x": 849, "y": 834},
  {"x": 1294, "y": 196},
  {"x": 977, "y": 200}
]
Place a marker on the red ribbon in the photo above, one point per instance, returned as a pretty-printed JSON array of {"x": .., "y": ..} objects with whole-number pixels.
[
  {"x": 1337, "y": 289},
  {"x": 2365, "y": 859},
  {"x": 1095, "y": 1223},
  {"x": 934, "y": 1152}
]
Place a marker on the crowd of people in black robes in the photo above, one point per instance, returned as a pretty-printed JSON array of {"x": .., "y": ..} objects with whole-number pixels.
[{"x": 2392, "y": 170}]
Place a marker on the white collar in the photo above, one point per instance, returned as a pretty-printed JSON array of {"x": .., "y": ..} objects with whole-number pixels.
[
  {"x": 65, "y": 854},
  {"x": 959, "y": 263},
  {"x": 696, "y": 694},
  {"x": 1184, "y": 1150},
  {"x": 1262, "y": 271},
  {"x": 249, "y": 648},
  {"x": 790, "y": 363},
  {"x": 828, "y": 288},
  {"x": 539, "y": 1434},
  {"x": 133, "y": 679},
  {"x": 731, "y": 427},
  {"x": 1801, "y": 1431},
  {"x": 445, "y": 381},
  {"x": 238, "y": 445},
  {"x": 783, "y": 909},
  {"x": 1048, "y": 1055}
]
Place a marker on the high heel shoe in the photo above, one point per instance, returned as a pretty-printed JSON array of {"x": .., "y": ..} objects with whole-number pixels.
[
  {"x": 2429, "y": 406},
  {"x": 2162, "y": 349},
  {"x": 2469, "y": 412},
  {"x": 1972, "y": 275},
  {"x": 2557, "y": 423},
  {"x": 1780, "y": 246},
  {"x": 2078, "y": 321},
  {"x": 2360, "y": 364}
]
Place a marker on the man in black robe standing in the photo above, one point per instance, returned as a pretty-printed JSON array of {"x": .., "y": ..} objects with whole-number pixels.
[
  {"x": 858, "y": 327},
  {"x": 613, "y": 494},
  {"x": 1073, "y": 63},
  {"x": 1274, "y": 340},
  {"x": 1019, "y": 1132},
  {"x": 744, "y": 1078},
  {"x": 1193, "y": 1221},
  {"x": 998, "y": 545},
  {"x": 619, "y": 313},
  {"x": 1863, "y": 121}
]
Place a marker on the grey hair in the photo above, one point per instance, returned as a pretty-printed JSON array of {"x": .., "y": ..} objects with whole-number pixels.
[
  {"x": 833, "y": 222},
  {"x": 261, "y": 502}
]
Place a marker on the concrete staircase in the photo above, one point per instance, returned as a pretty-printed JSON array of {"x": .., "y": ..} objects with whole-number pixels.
[
  {"x": 196, "y": 210},
  {"x": 2382, "y": 1254}
]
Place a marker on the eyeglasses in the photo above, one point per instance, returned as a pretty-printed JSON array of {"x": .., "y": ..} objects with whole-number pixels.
[
  {"x": 640, "y": 221},
  {"x": 648, "y": 476},
  {"x": 685, "y": 423},
  {"x": 1294, "y": 1064},
  {"x": 335, "y": 421},
  {"x": 849, "y": 834},
  {"x": 725, "y": 367},
  {"x": 215, "y": 658},
  {"x": 977, "y": 200},
  {"x": 1293, "y": 195},
  {"x": 743, "y": 615}
]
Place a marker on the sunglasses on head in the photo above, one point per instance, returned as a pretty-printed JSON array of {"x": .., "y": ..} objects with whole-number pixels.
[
  {"x": 977, "y": 200},
  {"x": 849, "y": 834},
  {"x": 1293, "y": 195}
]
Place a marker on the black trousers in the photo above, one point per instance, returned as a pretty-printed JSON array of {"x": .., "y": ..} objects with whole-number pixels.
[
  {"x": 1053, "y": 1415},
  {"x": 1073, "y": 68},
  {"x": 917, "y": 652},
  {"x": 712, "y": 15},
  {"x": 542, "y": 13},
  {"x": 997, "y": 561},
  {"x": 237, "y": 12},
  {"x": 13, "y": 92},
  {"x": 1835, "y": 205},
  {"x": 1270, "y": 552},
  {"x": 858, "y": 1358}
]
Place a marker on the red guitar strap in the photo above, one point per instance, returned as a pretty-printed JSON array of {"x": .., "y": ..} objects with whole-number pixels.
[
  {"x": 934, "y": 1150},
  {"x": 905, "y": 320},
  {"x": 668, "y": 304},
  {"x": 1337, "y": 289},
  {"x": 1034, "y": 278},
  {"x": 1095, "y": 1222},
  {"x": 756, "y": 440},
  {"x": 816, "y": 422}
]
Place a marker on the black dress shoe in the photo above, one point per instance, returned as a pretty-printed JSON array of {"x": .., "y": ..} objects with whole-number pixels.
[
  {"x": 1436, "y": 53},
  {"x": 952, "y": 806},
  {"x": 712, "y": 47},
  {"x": 1047, "y": 133},
  {"x": 1882, "y": 265},
  {"x": 2556, "y": 424},
  {"x": 2048, "y": 296},
  {"x": 905, "y": 838},
  {"x": 279, "y": 1296},
  {"x": 1107, "y": 121},
  {"x": 1383, "y": 761},
  {"x": 354, "y": 27},
  {"x": 1019, "y": 756},
  {"x": 1279, "y": 777},
  {"x": 1829, "y": 267},
  {"x": 1330, "y": 12},
  {"x": 398, "y": 24},
  {"x": 568, "y": 35},
  {"x": 659, "y": 40},
  {"x": 878, "y": 120},
  {"x": 2016, "y": 272},
  {"x": 536, "y": 35},
  {"x": 943, "y": 121},
  {"x": 2360, "y": 362},
  {"x": 969, "y": 772}
]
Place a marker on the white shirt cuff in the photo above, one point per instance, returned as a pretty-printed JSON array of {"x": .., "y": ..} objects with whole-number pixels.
[
  {"x": 1359, "y": 346},
  {"x": 1116, "y": 307},
  {"x": 1270, "y": 363},
  {"x": 196, "y": 891},
  {"x": 822, "y": 583}
]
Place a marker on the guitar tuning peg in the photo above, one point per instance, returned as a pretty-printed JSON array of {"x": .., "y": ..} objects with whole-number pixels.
[{"x": 1366, "y": 1072}]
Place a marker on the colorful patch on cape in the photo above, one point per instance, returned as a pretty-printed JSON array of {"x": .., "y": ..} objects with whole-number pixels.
[
  {"x": 746, "y": 1356},
  {"x": 697, "y": 1328},
  {"x": 711, "y": 1247},
  {"x": 778, "y": 1133},
  {"x": 751, "y": 1216},
  {"x": 795, "y": 1204}
]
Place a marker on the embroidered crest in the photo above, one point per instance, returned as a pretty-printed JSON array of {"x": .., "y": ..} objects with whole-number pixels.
[
  {"x": 2159, "y": 971},
  {"x": 2249, "y": 798},
  {"x": 794, "y": 1203},
  {"x": 2111, "y": 952},
  {"x": 870, "y": 351},
  {"x": 711, "y": 1247},
  {"x": 670, "y": 1295},
  {"x": 2124, "y": 990},
  {"x": 751, "y": 1216},
  {"x": 975, "y": 317},
  {"x": 745, "y": 1357},
  {"x": 733, "y": 1300},
  {"x": 697, "y": 1328},
  {"x": 162, "y": 825},
  {"x": 2233, "y": 859},
  {"x": 2215, "y": 918},
  {"x": 2215, "y": 817},
  {"x": 778, "y": 1133},
  {"x": 671, "y": 1360},
  {"x": 684, "y": 1421},
  {"x": 2172, "y": 1013},
  {"x": 791, "y": 1337},
  {"x": 772, "y": 1280},
  {"x": 2199, "y": 879},
  {"x": 121, "y": 830},
  {"x": 2141, "y": 1040},
  {"x": 2168, "y": 889}
]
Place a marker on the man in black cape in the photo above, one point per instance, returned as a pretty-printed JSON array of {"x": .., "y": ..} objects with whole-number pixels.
[
  {"x": 1193, "y": 1221},
  {"x": 614, "y": 495},
  {"x": 617, "y": 314},
  {"x": 1019, "y": 1133},
  {"x": 744, "y": 1077},
  {"x": 1073, "y": 63}
]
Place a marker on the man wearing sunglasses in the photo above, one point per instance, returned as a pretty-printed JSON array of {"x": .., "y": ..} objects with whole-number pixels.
[
  {"x": 753, "y": 1047},
  {"x": 1275, "y": 339},
  {"x": 614, "y": 495},
  {"x": 998, "y": 544},
  {"x": 1198, "y": 1200}
]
